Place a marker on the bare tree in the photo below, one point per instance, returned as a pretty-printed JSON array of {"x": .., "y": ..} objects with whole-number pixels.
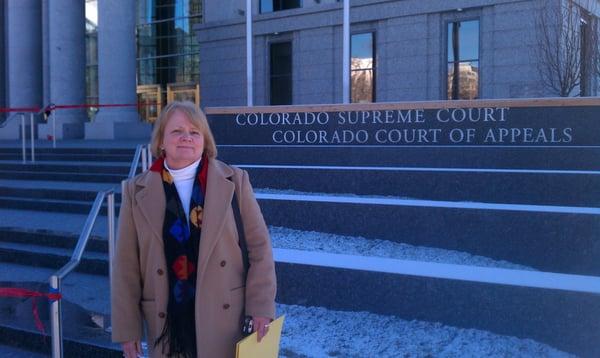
[{"x": 567, "y": 48}]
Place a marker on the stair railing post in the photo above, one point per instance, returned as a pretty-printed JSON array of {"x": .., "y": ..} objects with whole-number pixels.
[
  {"x": 54, "y": 129},
  {"x": 23, "y": 137},
  {"x": 144, "y": 159},
  {"x": 32, "y": 141},
  {"x": 149, "y": 155},
  {"x": 111, "y": 232},
  {"x": 56, "y": 319}
]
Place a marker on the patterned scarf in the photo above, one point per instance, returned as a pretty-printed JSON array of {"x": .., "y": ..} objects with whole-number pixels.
[{"x": 181, "y": 240}]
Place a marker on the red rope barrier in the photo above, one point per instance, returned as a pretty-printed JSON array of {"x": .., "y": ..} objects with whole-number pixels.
[
  {"x": 22, "y": 109},
  {"x": 25, "y": 293},
  {"x": 74, "y": 106}
]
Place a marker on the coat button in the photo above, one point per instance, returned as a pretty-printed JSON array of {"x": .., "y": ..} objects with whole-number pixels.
[
  {"x": 226, "y": 306},
  {"x": 161, "y": 314},
  {"x": 160, "y": 272},
  {"x": 223, "y": 263}
]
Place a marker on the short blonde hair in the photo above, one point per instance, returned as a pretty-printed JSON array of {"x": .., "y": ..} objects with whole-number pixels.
[{"x": 195, "y": 115}]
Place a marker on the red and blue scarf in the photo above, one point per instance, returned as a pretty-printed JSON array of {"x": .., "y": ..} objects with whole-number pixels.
[{"x": 181, "y": 238}]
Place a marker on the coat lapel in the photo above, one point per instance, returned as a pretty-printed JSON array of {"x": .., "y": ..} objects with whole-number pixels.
[
  {"x": 151, "y": 202},
  {"x": 219, "y": 192}
]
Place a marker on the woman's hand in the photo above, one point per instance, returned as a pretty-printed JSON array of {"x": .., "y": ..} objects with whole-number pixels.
[
  {"x": 132, "y": 349},
  {"x": 261, "y": 325}
]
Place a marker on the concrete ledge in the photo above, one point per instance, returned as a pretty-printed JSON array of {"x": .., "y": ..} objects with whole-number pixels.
[
  {"x": 100, "y": 129},
  {"x": 11, "y": 130},
  {"x": 63, "y": 131},
  {"x": 565, "y": 320}
]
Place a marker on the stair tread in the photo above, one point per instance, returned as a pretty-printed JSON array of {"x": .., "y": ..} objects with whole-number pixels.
[
  {"x": 12, "y": 352},
  {"x": 57, "y": 185},
  {"x": 76, "y": 286},
  {"x": 54, "y": 173},
  {"x": 51, "y": 250},
  {"x": 123, "y": 164},
  {"x": 53, "y": 221},
  {"x": 56, "y": 201}
]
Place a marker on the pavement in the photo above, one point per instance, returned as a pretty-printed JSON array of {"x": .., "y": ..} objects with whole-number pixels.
[{"x": 12, "y": 352}]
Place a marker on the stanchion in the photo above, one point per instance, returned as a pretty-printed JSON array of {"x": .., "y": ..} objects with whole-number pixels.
[
  {"x": 56, "y": 319},
  {"x": 144, "y": 159},
  {"x": 148, "y": 147},
  {"x": 111, "y": 232},
  {"x": 32, "y": 139},
  {"x": 23, "y": 138},
  {"x": 54, "y": 129}
]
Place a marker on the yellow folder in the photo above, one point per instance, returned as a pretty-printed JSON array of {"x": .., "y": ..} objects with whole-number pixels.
[{"x": 268, "y": 346}]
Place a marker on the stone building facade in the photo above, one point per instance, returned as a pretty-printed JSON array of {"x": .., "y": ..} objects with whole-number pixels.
[{"x": 411, "y": 53}]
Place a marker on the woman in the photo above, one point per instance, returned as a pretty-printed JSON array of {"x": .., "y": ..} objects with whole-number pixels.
[{"x": 178, "y": 264}]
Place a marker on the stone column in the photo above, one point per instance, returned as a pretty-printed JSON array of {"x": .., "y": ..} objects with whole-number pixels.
[
  {"x": 64, "y": 65},
  {"x": 117, "y": 73},
  {"x": 23, "y": 51}
]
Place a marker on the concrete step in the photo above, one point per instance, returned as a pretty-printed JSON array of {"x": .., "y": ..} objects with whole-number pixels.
[
  {"x": 83, "y": 321},
  {"x": 90, "y": 157},
  {"x": 51, "y": 257},
  {"x": 85, "y": 148},
  {"x": 64, "y": 240},
  {"x": 553, "y": 158},
  {"x": 53, "y": 205},
  {"x": 12, "y": 352},
  {"x": 74, "y": 167},
  {"x": 50, "y": 221},
  {"x": 31, "y": 343},
  {"x": 563, "y": 319},
  {"x": 549, "y": 238},
  {"x": 383, "y": 337},
  {"x": 513, "y": 232},
  {"x": 43, "y": 153},
  {"x": 58, "y": 193},
  {"x": 62, "y": 176},
  {"x": 580, "y": 188}
]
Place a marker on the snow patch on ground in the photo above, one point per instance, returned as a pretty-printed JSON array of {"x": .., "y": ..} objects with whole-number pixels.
[
  {"x": 285, "y": 238},
  {"x": 318, "y": 332},
  {"x": 296, "y": 192}
]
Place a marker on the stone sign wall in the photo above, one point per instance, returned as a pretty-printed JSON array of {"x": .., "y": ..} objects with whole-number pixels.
[{"x": 531, "y": 126}]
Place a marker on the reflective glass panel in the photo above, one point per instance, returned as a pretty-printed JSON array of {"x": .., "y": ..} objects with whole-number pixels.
[
  {"x": 463, "y": 40},
  {"x": 91, "y": 53},
  {"x": 281, "y": 73},
  {"x": 466, "y": 84},
  {"x": 362, "y": 68},
  {"x": 362, "y": 86},
  {"x": 277, "y": 5},
  {"x": 463, "y": 60},
  {"x": 167, "y": 47}
]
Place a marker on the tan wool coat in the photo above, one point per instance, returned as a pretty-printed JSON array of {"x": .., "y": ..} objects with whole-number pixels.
[{"x": 139, "y": 289}]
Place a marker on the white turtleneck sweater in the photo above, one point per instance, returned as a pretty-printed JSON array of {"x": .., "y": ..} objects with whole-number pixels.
[{"x": 184, "y": 182}]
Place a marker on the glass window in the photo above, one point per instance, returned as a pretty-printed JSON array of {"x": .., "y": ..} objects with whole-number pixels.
[
  {"x": 362, "y": 68},
  {"x": 281, "y": 73},
  {"x": 585, "y": 55},
  {"x": 91, "y": 54},
  {"x": 167, "y": 47},
  {"x": 277, "y": 5},
  {"x": 463, "y": 60}
]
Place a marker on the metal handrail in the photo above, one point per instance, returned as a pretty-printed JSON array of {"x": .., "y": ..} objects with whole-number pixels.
[
  {"x": 58, "y": 276},
  {"x": 23, "y": 138},
  {"x": 11, "y": 116},
  {"x": 143, "y": 151}
]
